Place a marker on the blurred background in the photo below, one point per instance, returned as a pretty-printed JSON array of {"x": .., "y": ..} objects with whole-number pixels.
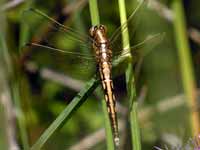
[{"x": 37, "y": 83}]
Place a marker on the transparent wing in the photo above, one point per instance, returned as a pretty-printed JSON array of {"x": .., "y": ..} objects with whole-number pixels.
[
  {"x": 73, "y": 64},
  {"x": 130, "y": 25},
  {"x": 51, "y": 32},
  {"x": 76, "y": 46},
  {"x": 140, "y": 49},
  {"x": 52, "y": 38}
]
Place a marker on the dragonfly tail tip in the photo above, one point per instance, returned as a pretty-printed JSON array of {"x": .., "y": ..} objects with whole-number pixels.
[{"x": 116, "y": 140}]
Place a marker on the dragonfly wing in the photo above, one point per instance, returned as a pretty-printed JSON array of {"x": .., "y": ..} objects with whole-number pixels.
[
  {"x": 131, "y": 24},
  {"x": 46, "y": 29},
  {"x": 73, "y": 64},
  {"x": 63, "y": 44},
  {"x": 141, "y": 49}
]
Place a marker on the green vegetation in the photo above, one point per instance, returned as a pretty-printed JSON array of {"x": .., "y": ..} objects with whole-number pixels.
[{"x": 52, "y": 99}]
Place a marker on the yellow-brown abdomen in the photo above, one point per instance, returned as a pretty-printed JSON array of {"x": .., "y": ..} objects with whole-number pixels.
[{"x": 104, "y": 59}]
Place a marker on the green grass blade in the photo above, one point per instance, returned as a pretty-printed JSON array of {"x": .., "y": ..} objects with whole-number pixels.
[
  {"x": 66, "y": 113},
  {"x": 24, "y": 30},
  {"x": 185, "y": 59},
  {"x": 135, "y": 131},
  {"x": 5, "y": 101},
  {"x": 5, "y": 55},
  {"x": 16, "y": 90},
  {"x": 4, "y": 141},
  {"x": 95, "y": 21},
  {"x": 20, "y": 116},
  {"x": 94, "y": 12}
]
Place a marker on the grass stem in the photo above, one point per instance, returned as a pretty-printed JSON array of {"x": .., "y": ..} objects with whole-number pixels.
[
  {"x": 185, "y": 60},
  {"x": 135, "y": 131},
  {"x": 66, "y": 113}
]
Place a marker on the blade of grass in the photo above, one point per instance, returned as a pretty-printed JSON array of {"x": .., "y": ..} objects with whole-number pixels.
[
  {"x": 186, "y": 64},
  {"x": 95, "y": 21},
  {"x": 16, "y": 92},
  {"x": 4, "y": 141},
  {"x": 20, "y": 116},
  {"x": 7, "y": 127},
  {"x": 24, "y": 30},
  {"x": 94, "y": 12},
  {"x": 5, "y": 55},
  {"x": 135, "y": 131},
  {"x": 187, "y": 70},
  {"x": 66, "y": 113}
]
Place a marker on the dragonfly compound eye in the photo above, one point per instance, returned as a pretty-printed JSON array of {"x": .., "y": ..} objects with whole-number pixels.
[
  {"x": 92, "y": 31},
  {"x": 103, "y": 28}
]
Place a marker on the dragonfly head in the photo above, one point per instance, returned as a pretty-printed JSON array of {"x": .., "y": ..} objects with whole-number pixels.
[{"x": 98, "y": 33}]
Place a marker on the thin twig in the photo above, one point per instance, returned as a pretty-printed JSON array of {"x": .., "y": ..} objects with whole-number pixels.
[
  {"x": 145, "y": 115},
  {"x": 5, "y": 101},
  {"x": 163, "y": 106},
  {"x": 49, "y": 74},
  {"x": 69, "y": 9},
  {"x": 11, "y": 4},
  {"x": 194, "y": 35},
  {"x": 166, "y": 13},
  {"x": 9, "y": 114},
  {"x": 161, "y": 9},
  {"x": 94, "y": 138},
  {"x": 60, "y": 78}
]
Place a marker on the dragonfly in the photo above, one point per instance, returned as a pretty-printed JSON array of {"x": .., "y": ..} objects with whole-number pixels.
[{"x": 104, "y": 51}]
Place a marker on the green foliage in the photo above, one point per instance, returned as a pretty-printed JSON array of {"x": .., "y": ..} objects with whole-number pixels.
[{"x": 44, "y": 102}]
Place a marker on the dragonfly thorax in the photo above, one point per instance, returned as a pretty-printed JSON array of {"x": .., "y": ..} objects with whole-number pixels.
[
  {"x": 101, "y": 44},
  {"x": 98, "y": 33}
]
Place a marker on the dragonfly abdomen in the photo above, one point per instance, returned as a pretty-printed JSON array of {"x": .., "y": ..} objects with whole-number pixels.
[
  {"x": 105, "y": 68},
  {"x": 103, "y": 53},
  {"x": 107, "y": 85}
]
